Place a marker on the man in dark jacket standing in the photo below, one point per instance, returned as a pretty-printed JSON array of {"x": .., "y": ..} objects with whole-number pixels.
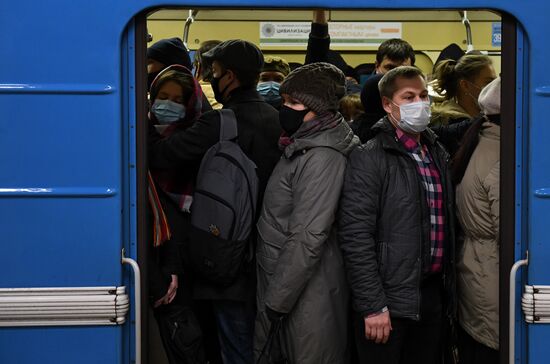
[
  {"x": 236, "y": 65},
  {"x": 396, "y": 230}
]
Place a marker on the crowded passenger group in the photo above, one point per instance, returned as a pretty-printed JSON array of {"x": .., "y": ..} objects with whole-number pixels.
[{"x": 299, "y": 216}]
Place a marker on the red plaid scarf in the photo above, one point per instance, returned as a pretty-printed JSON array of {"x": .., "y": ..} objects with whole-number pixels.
[
  {"x": 175, "y": 184},
  {"x": 431, "y": 180}
]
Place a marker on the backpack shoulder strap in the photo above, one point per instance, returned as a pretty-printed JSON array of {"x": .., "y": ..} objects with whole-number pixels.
[{"x": 228, "y": 124}]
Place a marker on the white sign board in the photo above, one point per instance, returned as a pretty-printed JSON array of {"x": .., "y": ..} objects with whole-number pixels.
[{"x": 349, "y": 34}]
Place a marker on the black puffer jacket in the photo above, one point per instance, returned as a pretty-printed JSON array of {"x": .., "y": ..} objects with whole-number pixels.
[{"x": 385, "y": 225}]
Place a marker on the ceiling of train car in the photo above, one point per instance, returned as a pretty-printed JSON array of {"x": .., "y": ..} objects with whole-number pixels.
[
  {"x": 334, "y": 15},
  {"x": 444, "y": 27}
]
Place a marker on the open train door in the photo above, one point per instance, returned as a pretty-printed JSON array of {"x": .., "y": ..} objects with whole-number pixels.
[
  {"x": 68, "y": 185},
  {"x": 72, "y": 101}
]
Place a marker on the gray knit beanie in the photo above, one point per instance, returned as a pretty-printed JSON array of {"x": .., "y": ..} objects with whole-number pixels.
[{"x": 319, "y": 86}]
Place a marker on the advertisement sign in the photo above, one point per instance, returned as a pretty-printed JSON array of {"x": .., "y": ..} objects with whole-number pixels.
[{"x": 359, "y": 34}]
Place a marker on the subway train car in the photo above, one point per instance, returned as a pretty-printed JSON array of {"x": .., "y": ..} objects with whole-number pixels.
[{"x": 73, "y": 101}]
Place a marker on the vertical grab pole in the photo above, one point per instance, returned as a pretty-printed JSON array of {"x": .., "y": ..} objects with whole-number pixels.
[
  {"x": 190, "y": 19},
  {"x": 512, "y": 327},
  {"x": 466, "y": 22},
  {"x": 137, "y": 300}
]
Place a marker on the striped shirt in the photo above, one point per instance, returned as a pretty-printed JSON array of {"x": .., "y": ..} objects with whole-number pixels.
[{"x": 431, "y": 180}]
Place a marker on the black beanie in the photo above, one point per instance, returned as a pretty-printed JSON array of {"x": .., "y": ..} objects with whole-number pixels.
[
  {"x": 237, "y": 54},
  {"x": 319, "y": 86},
  {"x": 170, "y": 51},
  {"x": 370, "y": 96}
]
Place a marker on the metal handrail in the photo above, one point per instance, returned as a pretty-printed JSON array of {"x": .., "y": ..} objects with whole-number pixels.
[
  {"x": 137, "y": 299},
  {"x": 190, "y": 19},
  {"x": 466, "y": 22},
  {"x": 512, "y": 313}
]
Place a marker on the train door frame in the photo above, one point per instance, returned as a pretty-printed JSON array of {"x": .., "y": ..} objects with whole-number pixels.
[
  {"x": 143, "y": 230},
  {"x": 508, "y": 176},
  {"x": 512, "y": 169}
]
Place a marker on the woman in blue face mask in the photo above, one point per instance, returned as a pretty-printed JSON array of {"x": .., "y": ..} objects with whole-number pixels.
[
  {"x": 175, "y": 103},
  {"x": 175, "y": 98}
]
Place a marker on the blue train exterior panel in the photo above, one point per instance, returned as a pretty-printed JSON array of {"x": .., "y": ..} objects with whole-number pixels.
[{"x": 66, "y": 147}]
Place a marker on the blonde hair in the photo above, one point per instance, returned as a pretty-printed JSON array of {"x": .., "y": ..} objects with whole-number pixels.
[{"x": 448, "y": 73}]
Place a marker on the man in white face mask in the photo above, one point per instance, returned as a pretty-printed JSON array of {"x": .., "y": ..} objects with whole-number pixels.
[
  {"x": 397, "y": 230},
  {"x": 408, "y": 106}
]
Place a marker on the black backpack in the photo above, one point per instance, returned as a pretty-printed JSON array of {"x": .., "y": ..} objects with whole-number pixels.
[{"x": 224, "y": 208}]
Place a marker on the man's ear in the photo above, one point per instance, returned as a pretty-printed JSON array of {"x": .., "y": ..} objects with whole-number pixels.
[
  {"x": 386, "y": 104},
  {"x": 376, "y": 64},
  {"x": 231, "y": 76}
]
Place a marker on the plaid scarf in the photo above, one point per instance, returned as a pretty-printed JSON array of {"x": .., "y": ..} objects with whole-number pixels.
[
  {"x": 175, "y": 184},
  {"x": 431, "y": 180},
  {"x": 325, "y": 121}
]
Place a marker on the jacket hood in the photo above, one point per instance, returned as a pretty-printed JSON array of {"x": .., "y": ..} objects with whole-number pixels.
[
  {"x": 491, "y": 131},
  {"x": 340, "y": 138}
]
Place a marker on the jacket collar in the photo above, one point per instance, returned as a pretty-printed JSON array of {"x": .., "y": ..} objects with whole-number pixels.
[
  {"x": 340, "y": 138},
  {"x": 240, "y": 95},
  {"x": 389, "y": 138}
]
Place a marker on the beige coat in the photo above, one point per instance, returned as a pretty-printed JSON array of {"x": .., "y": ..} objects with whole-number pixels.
[{"x": 477, "y": 198}]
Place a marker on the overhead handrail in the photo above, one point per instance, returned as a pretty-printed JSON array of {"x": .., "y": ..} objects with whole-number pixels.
[
  {"x": 190, "y": 19},
  {"x": 467, "y": 25}
]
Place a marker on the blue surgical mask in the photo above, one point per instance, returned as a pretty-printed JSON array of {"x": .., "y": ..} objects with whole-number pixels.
[
  {"x": 167, "y": 112},
  {"x": 270, "y": 92}
]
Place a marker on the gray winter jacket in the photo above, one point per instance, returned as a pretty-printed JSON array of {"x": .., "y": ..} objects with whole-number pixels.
[{"x": 300, "y": 267}]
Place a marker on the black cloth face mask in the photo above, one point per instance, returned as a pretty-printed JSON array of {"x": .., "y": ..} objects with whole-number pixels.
[
  {"x": 218, "y": 94},
  {"x": 291, "y": 119}
]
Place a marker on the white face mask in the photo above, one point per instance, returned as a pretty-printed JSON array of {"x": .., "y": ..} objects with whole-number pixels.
[{"x": 415, "y": 116}]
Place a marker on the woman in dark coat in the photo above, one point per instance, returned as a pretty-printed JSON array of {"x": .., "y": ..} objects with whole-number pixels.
[
  {"x": 175, "y": 103},
  {"x": 301, "y": 277}
]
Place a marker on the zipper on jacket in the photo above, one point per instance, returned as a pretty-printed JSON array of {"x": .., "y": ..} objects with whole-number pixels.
[
  {"x": 422, "y": 212},
  {"x": 448, "y": 258},
  {"x": 223, "y": 202},
  {"x": 420, "y": 258},
  {"x": 420, "y": 190}
]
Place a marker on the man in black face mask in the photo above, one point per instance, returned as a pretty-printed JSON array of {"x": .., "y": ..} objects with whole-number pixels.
[{"x": 236, "y": 65}]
